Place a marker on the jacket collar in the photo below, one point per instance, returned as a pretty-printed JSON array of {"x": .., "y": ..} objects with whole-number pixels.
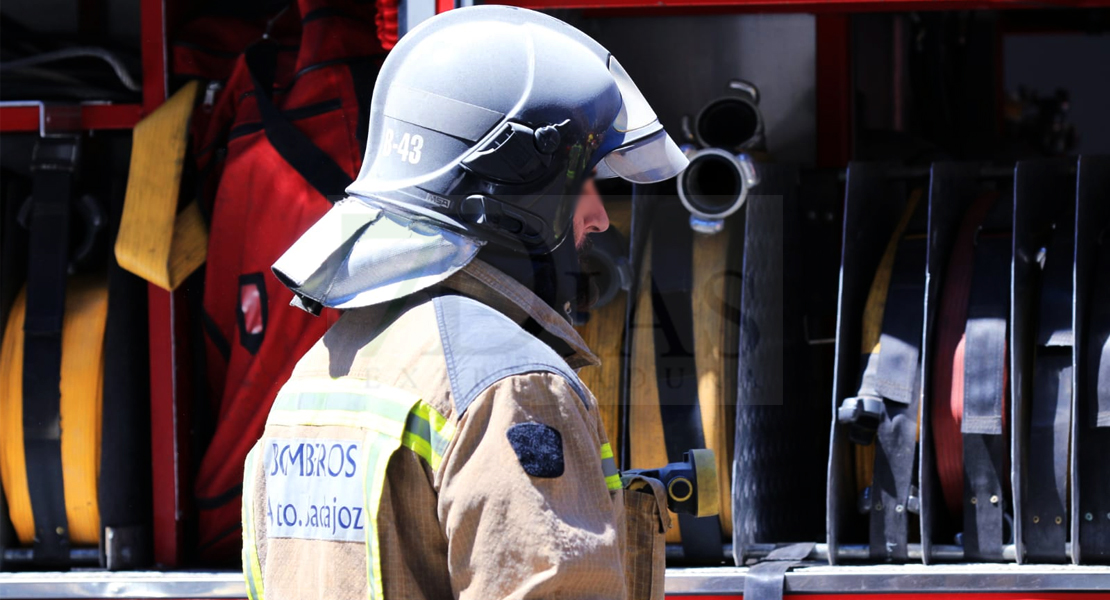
[{"x": 494, "y": 288}]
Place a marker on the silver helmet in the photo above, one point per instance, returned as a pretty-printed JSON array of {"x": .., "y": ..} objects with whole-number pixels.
[{"x": 485, "y": 122}]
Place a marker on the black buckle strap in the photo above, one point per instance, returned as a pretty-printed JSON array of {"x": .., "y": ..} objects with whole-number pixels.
[
  {"x": 897, "y": 379},
  {"x": 1100, "y": 336},
  {"x": 1094, "y": 436},
  {"x": 1045, "y": 511},
  {"x": 54, "y": 167},
  {"x": 984, "y": 440},
  {"x": 893, "y": 374}
]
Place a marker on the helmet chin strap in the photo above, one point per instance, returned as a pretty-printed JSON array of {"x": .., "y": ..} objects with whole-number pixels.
[{"x": 554, "y": 277}]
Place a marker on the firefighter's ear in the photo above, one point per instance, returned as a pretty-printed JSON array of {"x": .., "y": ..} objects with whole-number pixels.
[{"x": 538, "y": 447}]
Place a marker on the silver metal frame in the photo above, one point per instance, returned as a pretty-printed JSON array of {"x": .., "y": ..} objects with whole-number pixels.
[
  {"x": 877, "y": 579},
  {"x": 55, "y": 118},
  {"x": 901, "y": 578}
]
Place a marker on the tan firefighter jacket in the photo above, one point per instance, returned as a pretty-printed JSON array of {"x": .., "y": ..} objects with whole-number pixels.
[{"x": 432, "y": 448}]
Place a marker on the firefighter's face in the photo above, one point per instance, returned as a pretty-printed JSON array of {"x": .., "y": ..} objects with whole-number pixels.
[{"x": 590, "y": 215}]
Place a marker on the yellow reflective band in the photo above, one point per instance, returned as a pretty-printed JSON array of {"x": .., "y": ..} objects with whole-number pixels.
[
  {"x": 380, "y": 449},
  {"x": 421, "y": 447},
  {"x": 347, "y": 384},
  {"x": 427, "y": 433},
  {"x": 606, "y": 451},
  {"x": 390, "y": 408},
  {"x": 441, "y": 427},
  {"x": 609, "y": 468},
  {"x": 252, "y": 569},
  {"x": 343, "y": 402},
  {"x": 332, "y": 418}
]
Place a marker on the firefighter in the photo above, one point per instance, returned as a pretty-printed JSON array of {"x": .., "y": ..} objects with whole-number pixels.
[{"x": 437, "y": 442}]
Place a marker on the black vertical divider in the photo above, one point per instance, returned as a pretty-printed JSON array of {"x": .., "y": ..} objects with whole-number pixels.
[
  {"x": 1092, "y": 222},
  {"x": 781, "y": 424},
  {"x": 760, "y": 360},
  {"x": 14, "y": 189},
  {"x": 952, "y": 187},
  {"x": 1043, "y": 190},
  {"x": 872, "y": 205}
]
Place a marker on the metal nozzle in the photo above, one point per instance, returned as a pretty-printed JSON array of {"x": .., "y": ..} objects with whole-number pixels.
[
  {"x": 733, "y": 122},
  {"x": 714, "y": 186}
]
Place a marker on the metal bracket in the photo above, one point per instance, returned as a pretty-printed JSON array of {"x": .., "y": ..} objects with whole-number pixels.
[{"x": 55, "y": 119}]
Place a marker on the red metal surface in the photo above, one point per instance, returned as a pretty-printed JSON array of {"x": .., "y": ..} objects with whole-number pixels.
[
  {"x": 834, "y": 91},
  {"x": 168, "y": 380},
  {"x": 19, "y": 118},
  {"x": 154, "y": 49},
  {"x": 814, "y": 6},
  {"x": 110, "y": 116},
  {"x": 169, "y": 427},
  {"x": 446, "y": 5},
  {"x": 93, "y": 116}
]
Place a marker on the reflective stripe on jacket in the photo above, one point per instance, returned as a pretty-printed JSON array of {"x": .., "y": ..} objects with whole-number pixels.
[{"x": 388, "y": 468}]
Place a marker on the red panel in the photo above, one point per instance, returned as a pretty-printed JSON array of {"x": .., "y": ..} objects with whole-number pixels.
[
  {"x": 154, "y": 52},
  {"x": 170, "y": 424},
  {"x": 167, "y": 527},
  {"x": 834, "y": 91},
  {"x": 93, "y": 116},
  {"x": 805, "y": 5},
  {"x": 110, "y": 116},
  {"x": 446, "y": 5},
  {"x": 19, "y": 118}
]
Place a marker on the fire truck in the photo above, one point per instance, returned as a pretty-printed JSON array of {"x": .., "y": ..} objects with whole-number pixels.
[{"x": 895, "y": 288}]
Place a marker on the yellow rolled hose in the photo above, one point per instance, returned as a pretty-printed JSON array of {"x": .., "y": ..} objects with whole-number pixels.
[
  {"x": 82, "y": 375},
  {"x": 714, "y": 289}
]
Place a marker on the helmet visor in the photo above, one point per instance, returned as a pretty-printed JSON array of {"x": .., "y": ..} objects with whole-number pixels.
[
  {"x": 649, "y": 160},
  {"x": 635, "y": 111}
]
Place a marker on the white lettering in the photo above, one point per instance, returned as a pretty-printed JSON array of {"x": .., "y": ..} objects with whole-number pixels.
[
  {"x": 387, "y": 143},
  {"x": 403, "y": 148},
  {"x": 417, "y": 143},
  {"x": 408, "y": 149}
]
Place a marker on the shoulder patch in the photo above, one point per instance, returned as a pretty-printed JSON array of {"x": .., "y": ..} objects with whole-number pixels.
[
  {"x": 482, "y": 346},
  {"x": 539, "y": 448}
]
